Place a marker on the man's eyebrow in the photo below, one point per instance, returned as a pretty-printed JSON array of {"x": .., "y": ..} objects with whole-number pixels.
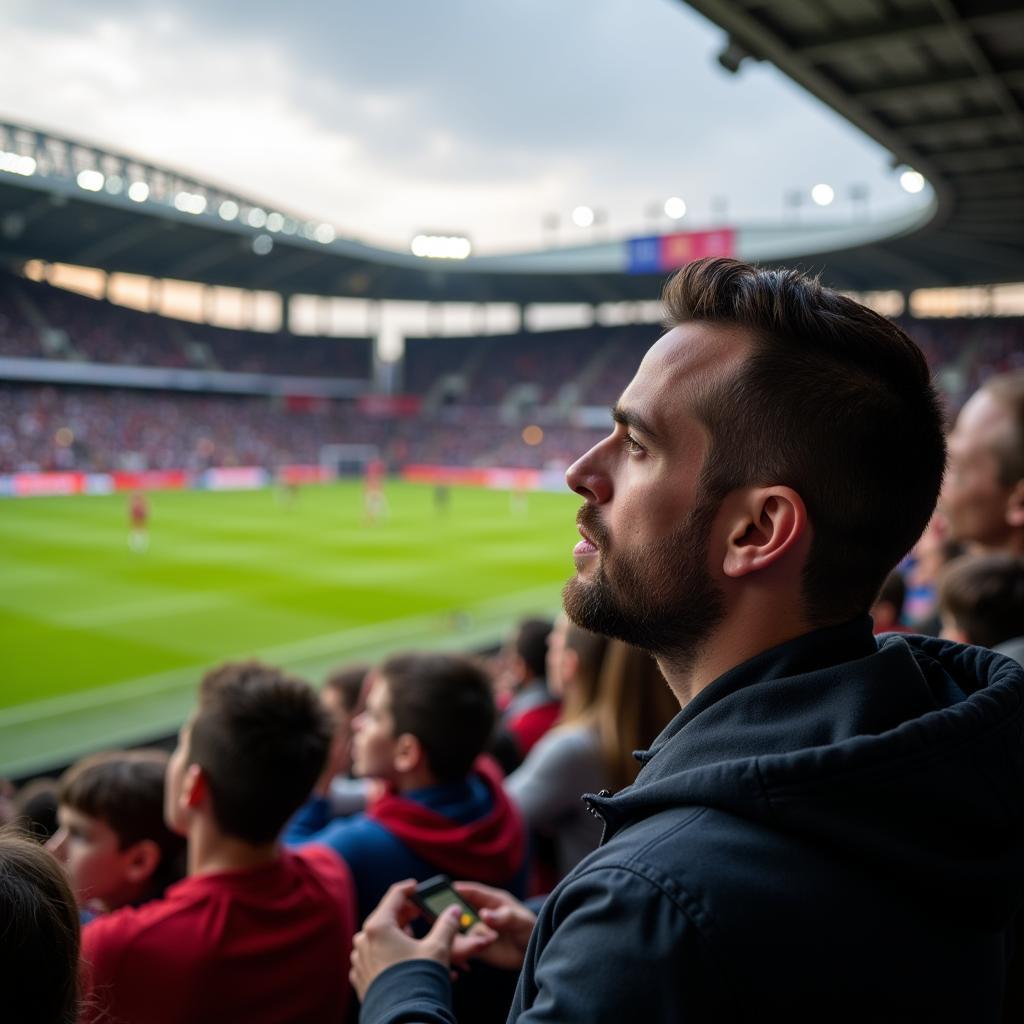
[{"x": 633, "y": 420}]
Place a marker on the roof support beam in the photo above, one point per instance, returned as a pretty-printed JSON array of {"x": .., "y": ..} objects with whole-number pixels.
[
  {"x": 916, "y": 30},
  {"x": 137, "y": 233}
]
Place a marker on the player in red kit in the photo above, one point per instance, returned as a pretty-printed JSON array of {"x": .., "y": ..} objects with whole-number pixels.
[
  {"x": 138, "y": 514},
  {"x": 374, "y": 501}
]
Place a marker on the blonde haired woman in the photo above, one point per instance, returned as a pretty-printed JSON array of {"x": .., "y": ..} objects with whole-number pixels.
[{"x": 614, "y": 701}]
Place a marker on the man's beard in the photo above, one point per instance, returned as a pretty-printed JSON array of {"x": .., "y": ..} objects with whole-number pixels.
[{"x": 660, "y": 598}]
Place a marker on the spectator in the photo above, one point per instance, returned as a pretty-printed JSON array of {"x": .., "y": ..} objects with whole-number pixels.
[
  {"x": 981, "y": 598},
  {"x": 983, "y": 496},
  {"x": 112, "y": 838},
  {"x": 342, "y": 699},
  {"x": 39, "y": 935},
  {"x": 427, "y": 719},
  {"x": 531, "y": 709},
  {"x": 443, "y": 811},
  {"x": 36, "y": 808},
  {"x": 614, "y": 702},
  {"x": 113, "y": 841},
  {"x": 253, "y": 933},
  {"x": 931, "y": 554},
  {"x": 887, "y": 611},
  {"x": 780, "y": 852}
]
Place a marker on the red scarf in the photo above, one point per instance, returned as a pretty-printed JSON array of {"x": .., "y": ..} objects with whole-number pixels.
[{"x": 490, "y": 850}]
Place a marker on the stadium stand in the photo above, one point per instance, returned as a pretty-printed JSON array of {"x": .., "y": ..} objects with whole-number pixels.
[
  {"x": 42, "y": 322},
  {"x": 475, "y": 395}
]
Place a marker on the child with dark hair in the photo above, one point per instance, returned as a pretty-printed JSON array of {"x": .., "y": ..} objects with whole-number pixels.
[
  {"x": 112, "y": 838},
  {"x": 531, "y": 709},
  {"x": 981, "y": 600},
  {"x": 427, "y": 720},
  {"x": 443, "y": 810},
  {"x": 342, "y": 699},
  {"x": 255, "y": 932},
  {"x": 887, "y": 611}
]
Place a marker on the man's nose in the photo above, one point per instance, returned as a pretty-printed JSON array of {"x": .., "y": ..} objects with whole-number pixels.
[{"x": 588, "y": 478}]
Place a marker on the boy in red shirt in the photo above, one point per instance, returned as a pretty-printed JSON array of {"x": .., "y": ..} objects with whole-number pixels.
[{"x": 254, "y": 933}]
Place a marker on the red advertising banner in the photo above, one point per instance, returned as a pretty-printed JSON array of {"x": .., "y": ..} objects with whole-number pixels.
[
  {"x": 292, "y": 475},
  {"x": 33, "y": 485},
  {"x": 153, "y": 480},
  {"x": 492, "y": 477}
]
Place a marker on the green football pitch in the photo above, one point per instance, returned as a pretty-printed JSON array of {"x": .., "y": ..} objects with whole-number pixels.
[{"x": 102, "y": 645}]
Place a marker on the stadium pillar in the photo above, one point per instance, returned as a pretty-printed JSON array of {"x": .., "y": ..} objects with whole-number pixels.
[
  {"x": 523, "y": 325},
  {"x": 286, "y": 312},
  {"x": 435, "y": 318}
]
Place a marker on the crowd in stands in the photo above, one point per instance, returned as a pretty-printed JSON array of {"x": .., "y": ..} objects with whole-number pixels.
[
  {"x": 41, "y": 322},
  {"x": 175, "y": 863},
  {"x": 821, "y": 824},
  {"x": 465, "y": 383},
  {"x": 118, "y": 428}
]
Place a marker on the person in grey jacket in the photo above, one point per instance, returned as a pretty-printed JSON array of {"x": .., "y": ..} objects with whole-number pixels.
[{"x": 832, "y": 827}]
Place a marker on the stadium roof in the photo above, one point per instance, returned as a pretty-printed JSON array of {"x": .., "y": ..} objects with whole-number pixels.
[
  {"x": 940, "y": 84},
  {"x": 943, "y": 91}
]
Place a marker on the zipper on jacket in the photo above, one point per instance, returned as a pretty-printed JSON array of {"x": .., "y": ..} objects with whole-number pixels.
[{"x": 597, "y": 814}]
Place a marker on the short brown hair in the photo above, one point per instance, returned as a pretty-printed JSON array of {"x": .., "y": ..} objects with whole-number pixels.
[
  {"x": 834, "y": 401},
  {"x": 347, "y": 682},
  {"x": 445, "y": 701},
  {"x": 1008, "y": 390},
  {"x": 531, "y": 644},
  {"x": 39, "y": 940},
  {"x": 984, "y": 595},
  {"x": 125, "y": 790},
  {"x": 261, "y": 738}
]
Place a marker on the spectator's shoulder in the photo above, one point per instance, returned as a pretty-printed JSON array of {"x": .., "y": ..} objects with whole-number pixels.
[
  {"x": 108, "y": 938},
  {"x": 326, "y": 864}
]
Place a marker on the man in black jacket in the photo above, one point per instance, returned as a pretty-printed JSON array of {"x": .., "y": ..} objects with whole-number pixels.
[{"x": 832, "y": 828}]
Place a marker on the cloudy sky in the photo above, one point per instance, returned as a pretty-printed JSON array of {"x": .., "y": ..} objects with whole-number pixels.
[{"x": 398, "y": 116}]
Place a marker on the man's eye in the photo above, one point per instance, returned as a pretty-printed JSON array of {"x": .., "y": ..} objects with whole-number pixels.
[{"x": 632, "y": 445}]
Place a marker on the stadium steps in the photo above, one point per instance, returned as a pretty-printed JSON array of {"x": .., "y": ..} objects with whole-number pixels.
[{"x": 569, "y": 393}]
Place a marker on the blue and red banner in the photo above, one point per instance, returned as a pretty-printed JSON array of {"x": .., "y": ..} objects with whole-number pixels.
[{"x": 656, "y": 254}]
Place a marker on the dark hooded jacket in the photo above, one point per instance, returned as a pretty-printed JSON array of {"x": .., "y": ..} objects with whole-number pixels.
[{"x": 831, "y": 831}]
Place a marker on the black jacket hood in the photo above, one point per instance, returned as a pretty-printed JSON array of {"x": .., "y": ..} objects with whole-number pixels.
[{"x": 903, "y": 753}]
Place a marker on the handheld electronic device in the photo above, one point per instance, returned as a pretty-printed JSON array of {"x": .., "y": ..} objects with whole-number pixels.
[{"x": 436, "y": 895}]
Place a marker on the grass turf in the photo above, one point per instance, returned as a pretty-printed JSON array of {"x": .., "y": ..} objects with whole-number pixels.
[{"x": 103, "y": 646}]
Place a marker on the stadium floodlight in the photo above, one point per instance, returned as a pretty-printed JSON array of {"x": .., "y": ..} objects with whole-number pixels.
[
  {"x": 115, "y": 184},
  {"x": 262, "y": 244},
  {"x": 290, "y": 226},
  {"x": 275, "y": 222},
  {"x": 15, "y": 163},
  {"x": 823, "y": 195},
  {"x": 324, "y": 234},
  {"x": 441, "y": 247},
  {"x": 228, "y": 210},
  {"x": 190, "y": 202},
  {"x": 91, "y": 181},
  {"x": 583, "y": 216},
  {"x": 257, "y": 218},
  {"x": 138, "y": 191},
  {"x": 912, "y": 181},
  {"x": 675, "y": 208}
]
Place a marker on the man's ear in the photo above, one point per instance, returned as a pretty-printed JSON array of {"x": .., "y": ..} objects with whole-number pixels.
[
  {"x": 194, "y": 787},
  {"x": 409, "y": 753},
  {"x": 143, "y": 860},
  {"x": 764, "y": 525},
  {"x": 1015, "y": 505}
]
